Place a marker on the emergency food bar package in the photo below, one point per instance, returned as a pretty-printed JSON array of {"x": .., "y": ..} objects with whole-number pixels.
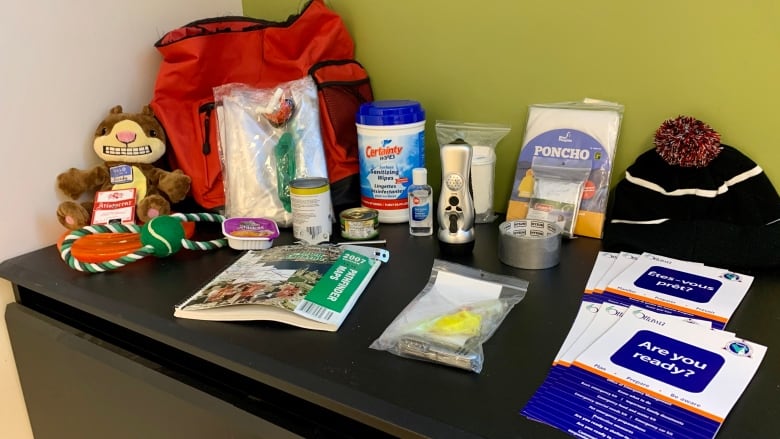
[{"x": 564, "y": 168}]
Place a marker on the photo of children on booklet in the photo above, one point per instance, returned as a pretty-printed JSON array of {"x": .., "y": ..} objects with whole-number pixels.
[
  {"x": 287, "y": 292},
  {"x": 310, "y": 286}
]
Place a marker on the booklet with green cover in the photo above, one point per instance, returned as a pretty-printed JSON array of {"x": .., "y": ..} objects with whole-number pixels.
[{"x": 310, "y": 286}]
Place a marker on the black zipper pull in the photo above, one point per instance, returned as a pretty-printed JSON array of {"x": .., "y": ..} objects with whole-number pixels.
[{"x": 206, "y": 108}]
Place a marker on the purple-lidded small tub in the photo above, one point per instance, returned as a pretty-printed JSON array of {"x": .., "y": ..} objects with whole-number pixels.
[{"x": 250, "y": 233}]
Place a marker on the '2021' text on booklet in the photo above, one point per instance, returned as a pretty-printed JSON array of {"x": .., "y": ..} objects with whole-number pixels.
[{"x": 309, "y": 286}]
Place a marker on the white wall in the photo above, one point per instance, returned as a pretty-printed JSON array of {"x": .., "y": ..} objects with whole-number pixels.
[{"x": 65, "y": 63}]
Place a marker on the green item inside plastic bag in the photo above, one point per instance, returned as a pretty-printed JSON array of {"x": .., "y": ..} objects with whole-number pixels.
[{"x": 284, "y": 153}]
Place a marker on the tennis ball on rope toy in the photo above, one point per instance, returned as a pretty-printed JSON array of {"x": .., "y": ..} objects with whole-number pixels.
[{"x": 164, "y": 234}]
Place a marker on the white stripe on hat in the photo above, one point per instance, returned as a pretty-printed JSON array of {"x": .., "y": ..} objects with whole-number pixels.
[
  {"x": 705, "y": 193},
  {"x": 655, "y": 221}
]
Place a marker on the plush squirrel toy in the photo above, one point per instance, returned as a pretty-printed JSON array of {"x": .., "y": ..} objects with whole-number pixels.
[{"x": 129, "y": 144}]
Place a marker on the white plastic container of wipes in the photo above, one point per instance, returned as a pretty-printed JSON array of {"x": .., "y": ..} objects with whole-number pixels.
[{"x": 391, "y": 142}]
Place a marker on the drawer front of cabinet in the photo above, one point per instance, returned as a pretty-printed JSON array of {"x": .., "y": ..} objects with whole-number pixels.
[{"x": 76, "y": 385}]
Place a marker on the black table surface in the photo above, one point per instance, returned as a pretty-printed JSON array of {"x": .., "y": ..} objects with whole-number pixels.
[{"x": 405, "y": 397}]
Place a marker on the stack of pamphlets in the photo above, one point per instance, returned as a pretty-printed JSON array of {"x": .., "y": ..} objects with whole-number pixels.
[{"x": 647, "y": 356}]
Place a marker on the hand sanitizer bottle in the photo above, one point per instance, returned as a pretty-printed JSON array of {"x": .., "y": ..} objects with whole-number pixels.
[{"x": 420, "y": 209}]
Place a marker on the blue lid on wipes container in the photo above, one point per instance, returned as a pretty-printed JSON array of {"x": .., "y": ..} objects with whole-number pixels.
[{"x": 390, "y": 112}]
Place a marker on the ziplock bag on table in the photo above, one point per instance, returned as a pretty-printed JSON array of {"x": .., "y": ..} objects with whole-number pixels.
[{"x": 455, "y": 313}]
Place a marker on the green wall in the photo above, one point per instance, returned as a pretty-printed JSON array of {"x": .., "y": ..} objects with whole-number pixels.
[{"x": 716, "y": 60}]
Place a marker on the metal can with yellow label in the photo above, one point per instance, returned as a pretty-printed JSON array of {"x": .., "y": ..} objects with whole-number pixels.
[
  {"x": 311, "y": 210},
  {"x": 359, "y": 223}
]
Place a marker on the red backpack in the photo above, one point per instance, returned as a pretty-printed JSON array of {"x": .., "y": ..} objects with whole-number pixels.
[
  {"x": 215, "y": 51},
  {"x": 342, "y": 85}
]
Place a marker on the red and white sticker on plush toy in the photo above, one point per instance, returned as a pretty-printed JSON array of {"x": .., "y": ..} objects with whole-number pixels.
[{"x": 114, "y": 207}]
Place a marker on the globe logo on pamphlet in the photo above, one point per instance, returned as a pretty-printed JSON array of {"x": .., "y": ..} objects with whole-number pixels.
[
  {"x": 739, "y": 348},
  {"x": 732, "y": 276}
]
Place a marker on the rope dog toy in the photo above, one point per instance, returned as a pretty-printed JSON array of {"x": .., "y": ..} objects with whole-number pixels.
[{"x": 162, "y": 236}]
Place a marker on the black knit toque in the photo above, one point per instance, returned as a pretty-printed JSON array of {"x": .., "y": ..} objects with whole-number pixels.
[{"x": 723, "y": 212}]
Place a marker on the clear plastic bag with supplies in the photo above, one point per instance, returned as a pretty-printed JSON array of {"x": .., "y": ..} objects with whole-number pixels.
[
  {"x": 483, "y": 138},
  {"x": 267, "y": 137},
  {"x": 455, "y": 313}
]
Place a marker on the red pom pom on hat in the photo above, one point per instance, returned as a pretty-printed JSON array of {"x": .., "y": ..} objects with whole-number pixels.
[{"x": 687, "y": 142}]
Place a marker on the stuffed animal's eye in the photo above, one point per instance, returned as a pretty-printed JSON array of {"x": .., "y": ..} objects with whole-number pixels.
[
  {"x": 152, "y": 133},
  {"x": 104, "y": 131}
]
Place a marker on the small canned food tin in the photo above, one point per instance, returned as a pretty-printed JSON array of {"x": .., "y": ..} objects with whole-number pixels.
[
  {"x": 359, "y": 223},
  {"x": 312, "y": 216}
]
